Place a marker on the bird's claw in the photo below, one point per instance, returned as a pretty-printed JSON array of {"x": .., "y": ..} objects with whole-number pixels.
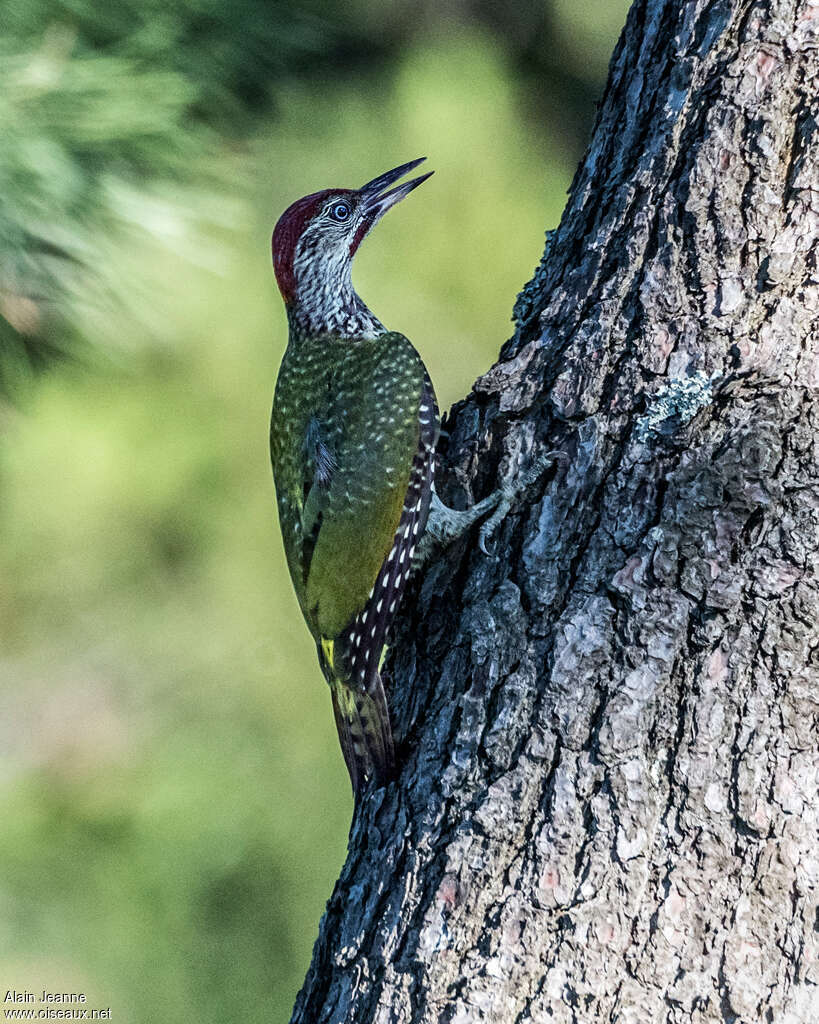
[
  {"x": 446, "y": 524},
  {"x": 482, "y": 543},
  {"x": 505, "y": 502},
  {"x": 508, "y": 494}
]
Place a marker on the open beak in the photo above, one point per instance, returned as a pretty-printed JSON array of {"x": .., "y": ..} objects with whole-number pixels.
[{"x": 378, "y": 197}]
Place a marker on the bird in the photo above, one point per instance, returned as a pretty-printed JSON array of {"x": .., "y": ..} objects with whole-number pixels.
[{"x": 353, "y": 434}]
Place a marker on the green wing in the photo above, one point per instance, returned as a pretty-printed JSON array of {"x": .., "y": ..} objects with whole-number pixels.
[{"x": 344, "y": 433}]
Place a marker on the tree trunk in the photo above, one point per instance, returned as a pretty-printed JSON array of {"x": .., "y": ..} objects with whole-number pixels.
[{"x": 608, "y": 805}]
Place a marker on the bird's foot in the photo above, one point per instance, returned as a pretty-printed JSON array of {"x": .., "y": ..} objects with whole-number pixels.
[
  {"x": 505, "y": 497},
  {"x": 446, "y": 524}
]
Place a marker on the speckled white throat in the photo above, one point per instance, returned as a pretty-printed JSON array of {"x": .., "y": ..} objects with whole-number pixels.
[{"x": 327, "y": 302}]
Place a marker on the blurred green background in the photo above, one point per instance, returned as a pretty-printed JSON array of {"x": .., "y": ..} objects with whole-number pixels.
[{"x": 173, "y": 801}]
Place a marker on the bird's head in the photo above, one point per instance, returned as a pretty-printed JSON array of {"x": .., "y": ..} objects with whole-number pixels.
[{"x": 316, "y": 238}]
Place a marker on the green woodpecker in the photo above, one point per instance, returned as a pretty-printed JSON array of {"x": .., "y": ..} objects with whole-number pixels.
[{"x": 352, "y": 440}]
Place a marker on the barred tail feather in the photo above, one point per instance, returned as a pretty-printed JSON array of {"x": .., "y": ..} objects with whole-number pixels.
[{"x": 363, "y": 724}]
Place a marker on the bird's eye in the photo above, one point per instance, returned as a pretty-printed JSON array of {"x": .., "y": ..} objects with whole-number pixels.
[{"x": 340, "y": 211}]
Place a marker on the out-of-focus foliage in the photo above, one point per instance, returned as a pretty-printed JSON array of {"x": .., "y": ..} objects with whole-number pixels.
[
  {"x": 70, "y": 127},
  {"x": 228, "y": 55},
  {"x": 97, "y": 97},
  {"x": 174, "y": 802}
]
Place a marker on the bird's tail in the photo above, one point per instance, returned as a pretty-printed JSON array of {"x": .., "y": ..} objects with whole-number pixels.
[{"x": 363, "y": 723}]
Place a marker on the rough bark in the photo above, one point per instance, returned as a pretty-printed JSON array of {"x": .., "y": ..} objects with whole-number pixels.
[{"x": 608, "y": 807}]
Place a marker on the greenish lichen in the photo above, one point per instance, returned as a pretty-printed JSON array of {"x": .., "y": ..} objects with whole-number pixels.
[{"x": 675, "y": 404}]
